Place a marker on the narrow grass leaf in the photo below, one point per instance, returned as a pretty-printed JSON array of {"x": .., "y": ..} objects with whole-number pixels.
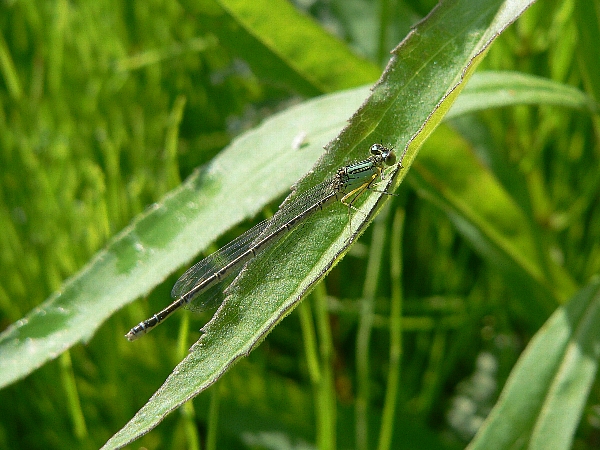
[
  {"x": 449, "y": 174},
  {"x": 490, "y": 89},
  {"x": 543, "y": 399},
  {"x": 284, "y": 46}
]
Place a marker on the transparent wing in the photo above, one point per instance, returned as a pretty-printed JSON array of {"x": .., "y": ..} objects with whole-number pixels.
[
  {"x": 293, "y": 207},
  {"x": 243, "y": 245},
  {"x": 211, "y": 297},
  {"x": 209, "y": 265}
]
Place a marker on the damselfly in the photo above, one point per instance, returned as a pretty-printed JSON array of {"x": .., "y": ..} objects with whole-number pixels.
[{"x": 346, "y": 186}]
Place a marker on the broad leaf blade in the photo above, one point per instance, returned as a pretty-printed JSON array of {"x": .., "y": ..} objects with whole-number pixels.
[
  {"x": 175, "y": 231},
  {"x": 425, "y": 75}
]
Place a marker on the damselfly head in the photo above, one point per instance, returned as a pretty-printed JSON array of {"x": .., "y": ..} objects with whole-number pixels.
[{"x": 386, "y": 154}]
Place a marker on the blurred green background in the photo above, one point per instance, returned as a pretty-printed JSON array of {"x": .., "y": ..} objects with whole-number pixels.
[{"x": 106, "y": 106}]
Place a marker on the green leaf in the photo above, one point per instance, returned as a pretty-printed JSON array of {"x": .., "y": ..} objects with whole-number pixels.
[
  {"x": 449, "y": 174},
  {"x": 286, "y": 47},
  {"x": 492, "y": 89},
  {"x": 588, "y": 30},
  {"x": 65, "y": 318},
  {"x": 172, "y": 233},
  {"x": 424, "y": 77},
  {"x": 543, "y": 399}
]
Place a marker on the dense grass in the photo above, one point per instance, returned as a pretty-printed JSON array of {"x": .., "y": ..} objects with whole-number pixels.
[{"x": 107, "y": 106}]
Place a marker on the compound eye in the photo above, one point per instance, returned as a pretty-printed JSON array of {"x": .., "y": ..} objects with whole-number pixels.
[
  {"x": 376, "y": 149},
  {"x": 390, "y": 158}
]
